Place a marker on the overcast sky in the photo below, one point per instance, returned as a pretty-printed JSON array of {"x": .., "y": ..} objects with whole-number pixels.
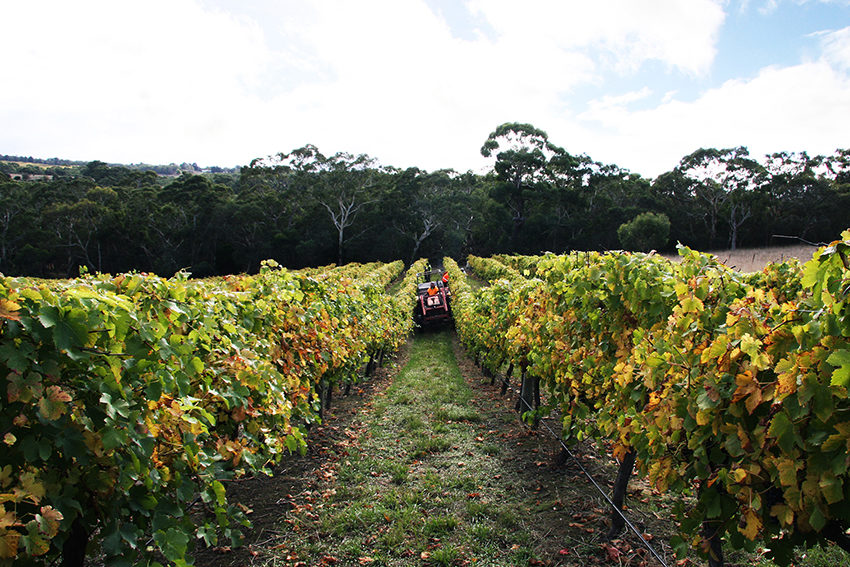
[{"x": 637, "y": 83}]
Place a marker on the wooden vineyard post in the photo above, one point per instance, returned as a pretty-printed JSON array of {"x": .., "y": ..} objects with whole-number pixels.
[{"x": 627, "y": 466}]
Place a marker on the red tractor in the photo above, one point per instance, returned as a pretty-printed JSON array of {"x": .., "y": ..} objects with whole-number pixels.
[{"x": 433, "y": 300}]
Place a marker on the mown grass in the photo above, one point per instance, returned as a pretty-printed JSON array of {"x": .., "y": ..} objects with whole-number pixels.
[
  {"x": 431, "y": 474},
  {"x": 417, "y": 486}
]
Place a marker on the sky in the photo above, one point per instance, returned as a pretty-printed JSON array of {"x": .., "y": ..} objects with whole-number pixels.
[{"x": 636, "y": 83}]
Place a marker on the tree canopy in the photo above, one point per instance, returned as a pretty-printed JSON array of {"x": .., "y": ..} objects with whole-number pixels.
[{"x": 303, "y": 208}]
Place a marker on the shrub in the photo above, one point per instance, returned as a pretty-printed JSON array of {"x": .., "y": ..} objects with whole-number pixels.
[{"x": 645, "y": 232}]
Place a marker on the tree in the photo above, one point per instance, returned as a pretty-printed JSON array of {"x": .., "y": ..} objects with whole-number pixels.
[
  {"x": 12, "y": 209},
  {"x": 82, "y": 226},
  {"x": 720, "y": 178},
  {"x": 803, "y": 196},
  {"x": 421, "y": 206},
  {"x": 344, "y": 189},
  {"x": 522, "y": 154},
  {"x": 194, "y": 222},
  {"x": 645, "y": 232}
]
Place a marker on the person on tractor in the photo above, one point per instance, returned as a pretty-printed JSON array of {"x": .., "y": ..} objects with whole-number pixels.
[{"x": 433, "y": 289}]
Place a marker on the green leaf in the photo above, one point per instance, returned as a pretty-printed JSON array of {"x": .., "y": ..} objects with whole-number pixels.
[
  {"x": 218, "y": 489},
  {"x": 114, "y": 407},
  {"x": 750, "y": 345},
  {"x": 713, "y": 507},
  {"x": 112, "y": 438},
  {"x": 817, "y": 519},
  {"x": 831, "y": 487},
  {"x": 679, "y": 545},
  {"x": 173, "y": 543},
  {"x": 130, "y": 534},
  {"x": 49, "y": 315},
  {"x": 823, "y": 405},
  {"x": 782, "y": 429},
  {"x": 196, "y": 365},
  {"x": 841, "y": 376},
  {"x": 841, "y": 360}
]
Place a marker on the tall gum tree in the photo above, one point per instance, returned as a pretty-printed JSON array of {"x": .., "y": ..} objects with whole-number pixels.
[
  {"x": 522, "y": 153},
  {"x": 725, "y": 182},
  {"x": 342, "y": 184}
]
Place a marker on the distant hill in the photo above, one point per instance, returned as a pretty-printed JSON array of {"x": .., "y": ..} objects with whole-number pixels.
[{"x": 171, "y": 169}]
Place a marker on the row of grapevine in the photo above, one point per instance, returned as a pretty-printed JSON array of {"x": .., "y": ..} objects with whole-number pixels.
[
  {"x": 727, "y": 387},
  {"x": 129, "y": 400}
]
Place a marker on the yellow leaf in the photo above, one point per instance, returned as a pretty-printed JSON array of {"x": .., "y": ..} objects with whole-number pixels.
[
  {"x": 9, "y": 310},
  {"x": 783, "y": 513},
  {"x": 32, "y": 487},
  {"x": 57, "y": 394},
  {"x": 7, "y": 518},
  {"x": 787, "y": 383},
  {"x": 739, "y": 475},
  {"x": 746, "y": 385},
  {"x": 716, "y": 350},
  {"x": 692, "y": 305},
  {"x": 52, "y": 405},
  {"x": 750, "y": 345},
  {"x": 752, "y": 525},
  {"x": 9, "y": 544},
  {"x": 620, "y": 451},
  {"x": 37, "y": 545},
  {"x": 754, "y": 400},
  {"x": 49, "y": 520},
  {"x": 787, "y": 469},
  {"x": 153, "y": 427}
]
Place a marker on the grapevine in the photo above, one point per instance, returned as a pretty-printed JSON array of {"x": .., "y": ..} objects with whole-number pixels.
[
  {"x": 727, "y": 387},
  {"x": 129, "y": 400}
]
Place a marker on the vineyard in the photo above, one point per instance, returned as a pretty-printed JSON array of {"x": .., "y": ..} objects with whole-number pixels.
[
  {"x": 727, "y": 390},
  {"x": 131, "y": 401}
]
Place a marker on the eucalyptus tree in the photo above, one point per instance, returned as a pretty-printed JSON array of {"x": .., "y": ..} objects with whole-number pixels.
[
  {"x": 725, "y": 182},
  {"x": 194, "y": 220},
  {"x": 83, "y": 226},
  {"x": 13, "y": 210},
  {"x": 522, "y": 154},
  {"x": 423, "y": 207},
  {"x": 803, "y": 197},
  {"x": 347, "y": 185}
]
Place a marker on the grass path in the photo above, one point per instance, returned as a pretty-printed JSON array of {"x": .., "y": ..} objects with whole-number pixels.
[
  {"x": 419, "y": 468},
  {"x": 427, "y": 465},
  {"x": 420, "y": 481}
]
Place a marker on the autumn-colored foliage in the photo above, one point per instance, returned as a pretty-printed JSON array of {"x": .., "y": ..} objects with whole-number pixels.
[
  {"x": 129, "y": 400},
  {"x": 731, "y": 388}
]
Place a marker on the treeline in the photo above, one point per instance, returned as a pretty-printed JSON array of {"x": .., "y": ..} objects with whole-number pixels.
[
  {"x": 64, "y": 167},
  {"x": 303, "y": 208}
]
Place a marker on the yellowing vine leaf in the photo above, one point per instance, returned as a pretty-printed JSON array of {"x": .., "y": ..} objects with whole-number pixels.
[
  {"x": 52, "y": 405},
  {"x": 7, "y": 518},
  {"x": 752, "y": 525},
  {"x": 9, "y": 544},
  {"x": 9, "y": 310}
]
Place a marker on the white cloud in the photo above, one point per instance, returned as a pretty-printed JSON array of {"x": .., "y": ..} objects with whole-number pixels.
[
  {"x": 800, "y": 107},
  {"x": 201, "y": 80},
  {"x": 836, "y": 48},
  {"x": 629, "y": 32},
  {"x": 136, "y": 81}
]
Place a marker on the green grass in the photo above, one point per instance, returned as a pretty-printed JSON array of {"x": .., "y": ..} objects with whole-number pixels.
[
  {"x": 408, "y": 491},
  {"x": 428, "y": 475}
]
